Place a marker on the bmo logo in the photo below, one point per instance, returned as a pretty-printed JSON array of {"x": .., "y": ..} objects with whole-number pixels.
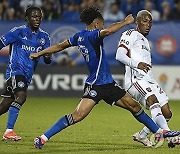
[
  {"x": 166, "y": 45},
  {"x": 30, "y": 48}
]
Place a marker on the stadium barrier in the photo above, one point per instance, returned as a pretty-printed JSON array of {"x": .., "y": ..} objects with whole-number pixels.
[{"x": 58, "y": 81}]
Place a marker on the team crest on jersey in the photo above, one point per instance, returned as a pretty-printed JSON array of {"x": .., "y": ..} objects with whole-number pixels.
[
  {"x": 93, "y": 93},
  {"x": 21, "y": 84},
  {"x": 42, "y": 41},
  {"x": 148, "y": 89}
]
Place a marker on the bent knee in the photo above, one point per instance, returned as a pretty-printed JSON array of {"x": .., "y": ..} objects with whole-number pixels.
[
  {"x": 167, "y": 115},
  {"x": 152, "y": 100}
]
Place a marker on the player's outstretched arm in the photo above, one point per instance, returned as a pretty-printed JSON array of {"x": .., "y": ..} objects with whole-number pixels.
[
  {"x": 116, "y": 26},
  {"x": 52, "y": 49}
]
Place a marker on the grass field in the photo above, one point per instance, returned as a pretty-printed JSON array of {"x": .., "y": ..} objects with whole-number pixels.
[{"x": 106, "y": 130}]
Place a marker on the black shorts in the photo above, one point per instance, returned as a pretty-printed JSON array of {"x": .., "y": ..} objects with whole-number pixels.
[
  {"x": 110, "y": 93},
  {"x": 13, "y": 85}
]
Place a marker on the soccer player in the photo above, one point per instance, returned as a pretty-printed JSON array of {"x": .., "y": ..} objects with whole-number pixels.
[
  {"x": 23, "y": 41},
  {"x": 134, "y": 52},
  {"x": 99, "y": 84}
]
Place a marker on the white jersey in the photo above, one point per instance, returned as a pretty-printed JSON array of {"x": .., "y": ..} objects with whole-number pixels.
[
  {"x": 134, "y": 48},
  {"x": 139, "y": 50}
]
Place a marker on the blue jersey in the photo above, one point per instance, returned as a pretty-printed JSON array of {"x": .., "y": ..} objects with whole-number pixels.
[
  {"x": 22, "y": 43},
  {"x": 91, "y": 47}
]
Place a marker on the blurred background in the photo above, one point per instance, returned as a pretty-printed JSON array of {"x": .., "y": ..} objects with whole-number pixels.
[{"x": 61, "y": 21}]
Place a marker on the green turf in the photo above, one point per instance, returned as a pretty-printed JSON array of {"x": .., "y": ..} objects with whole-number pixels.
[{"x": 106, "y": 130}]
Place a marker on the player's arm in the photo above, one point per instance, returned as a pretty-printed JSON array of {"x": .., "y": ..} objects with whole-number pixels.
[
  {"x": 52, "y": 49},
  {"x": 116, "y": 26},
  {"x": 121, "y": 56}
]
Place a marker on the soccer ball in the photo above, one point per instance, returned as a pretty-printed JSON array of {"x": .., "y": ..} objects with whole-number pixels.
[{"x": 173, "y": 141}]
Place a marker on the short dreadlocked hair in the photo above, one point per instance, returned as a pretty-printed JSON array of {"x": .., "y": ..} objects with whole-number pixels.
[
  {"x": 89, "y": 14},
  {"x": 30, "y": 9}
]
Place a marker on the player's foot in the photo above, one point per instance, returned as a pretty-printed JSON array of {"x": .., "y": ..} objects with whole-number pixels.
[
  {"x": 173, "y": 141},
  {"x": 144, "y": 141},
  {"x": 39, "y": 142},
  {"x": 170, "y": 133},
  {"x": 11, "y": 136}
]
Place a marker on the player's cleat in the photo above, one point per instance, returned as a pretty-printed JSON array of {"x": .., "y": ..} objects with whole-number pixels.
[
  {"x": 39, "y": 142},
  {"x": 170, "y": 133},
  {"x": 11, "y": 136},
  {"x": 144, "y": 141}
]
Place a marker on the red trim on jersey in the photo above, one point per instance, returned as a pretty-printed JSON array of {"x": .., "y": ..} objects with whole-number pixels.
[
  {"x": 140, "y": 89},
  {"x": 128, "y": 51}
]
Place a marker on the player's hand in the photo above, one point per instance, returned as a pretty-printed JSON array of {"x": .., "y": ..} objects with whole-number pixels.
[
  {"x": 34, "y": 55},
  {"x": 144, "y": 66},
  {"x": 47, "y": 56},
  {"x": 129, "y": 19}
]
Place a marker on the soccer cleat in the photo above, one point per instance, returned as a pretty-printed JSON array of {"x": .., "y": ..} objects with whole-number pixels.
[
  {"x": 144, "y": 141},
  {"x": 170, "y": 133},
  {"x": 11, "y": 136},
  {"x": 39, "y": 142}
]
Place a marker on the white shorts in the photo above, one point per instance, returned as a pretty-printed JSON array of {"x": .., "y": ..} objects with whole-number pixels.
[{"x": 140, "y": 90}]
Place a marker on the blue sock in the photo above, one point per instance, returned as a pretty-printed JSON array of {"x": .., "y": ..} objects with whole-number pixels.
[
  {"x": 61, "y": 124},
  {"x": 12, "y": 117},
  {"x": 142, "y": 117}
]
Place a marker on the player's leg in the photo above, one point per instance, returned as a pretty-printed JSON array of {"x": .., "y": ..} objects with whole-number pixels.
[
  {"x": 141, "y": 90},
  {"x": 82, "y": 110},
  {"x": 19, "y": 87},
  {"x": 5, "y": 104},
  {"x": 166, "y": 112},
  {"x": 119, "y": 97},
  {"x": 8, "y": 98},
  {"x": 128, "y": 103}
]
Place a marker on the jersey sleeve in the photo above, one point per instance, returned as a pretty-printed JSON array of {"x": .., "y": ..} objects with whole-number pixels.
[
  {"x": 94, "y": 36},
  {"x": 127, "y": 39},
  {"x": 9, "y": 37},
  {"x": 73, "y": 40}
]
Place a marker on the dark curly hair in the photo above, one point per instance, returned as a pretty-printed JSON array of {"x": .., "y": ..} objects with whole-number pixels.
[
  {"x": 30, "y": 9},
  {"x": 89, "y": 14}
]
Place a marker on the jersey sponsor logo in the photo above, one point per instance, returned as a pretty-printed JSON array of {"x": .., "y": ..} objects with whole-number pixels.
[
  {"x": 21, "y": 84},
  {"x": 30, "y": 48},
  {"x": 93, "y": 93}
]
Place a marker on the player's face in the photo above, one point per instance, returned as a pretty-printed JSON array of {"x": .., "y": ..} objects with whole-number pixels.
[
  {"x": 144, "y": 24},
  {"x": 34, "y": 19}
]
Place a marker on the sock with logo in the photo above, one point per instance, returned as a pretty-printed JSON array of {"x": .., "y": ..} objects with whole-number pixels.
[
  {"x": 61, "y": 124},
  {"x": 142, "y": 117},
  {"x": 13, "y": 115}
]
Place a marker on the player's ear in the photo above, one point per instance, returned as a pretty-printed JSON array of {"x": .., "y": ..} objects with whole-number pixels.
[{"x": 96, "y": 24}]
